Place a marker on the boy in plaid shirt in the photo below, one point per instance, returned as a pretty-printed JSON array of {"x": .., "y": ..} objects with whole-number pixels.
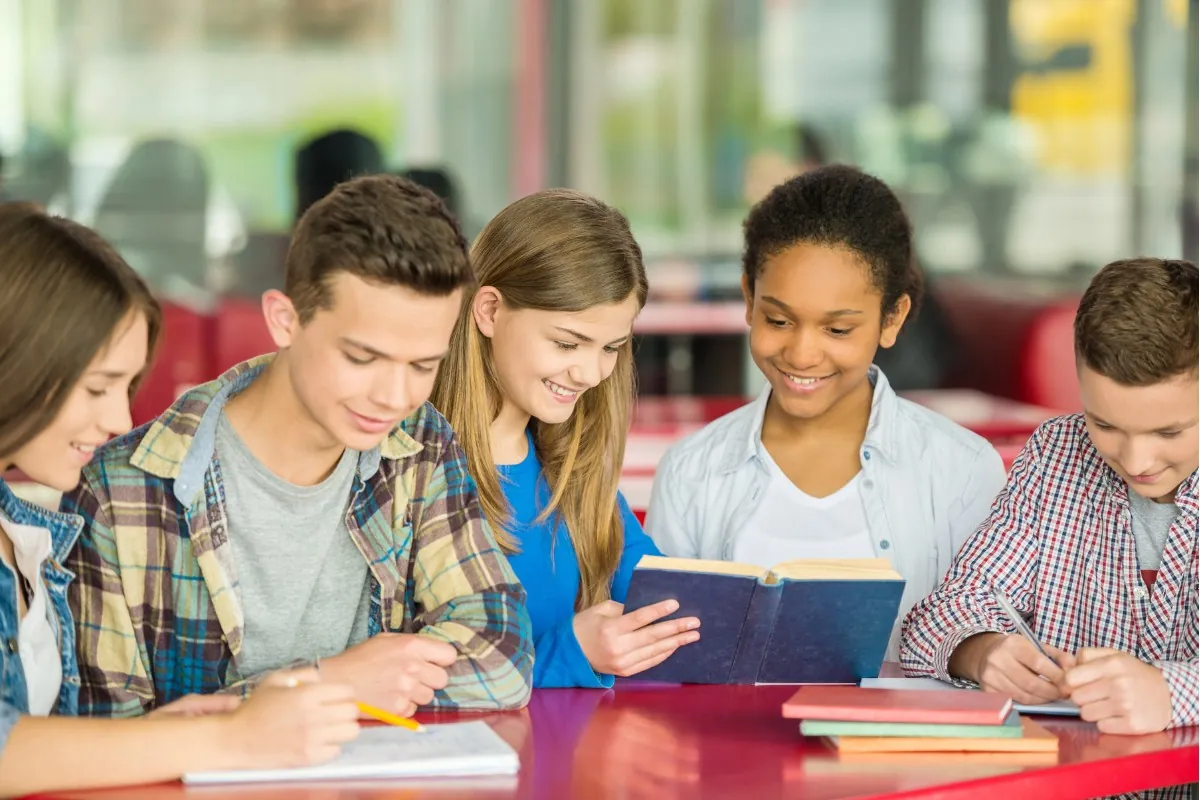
[
  {"x": 309, "y": 506},
  {"x": 1093, "y": 539}
]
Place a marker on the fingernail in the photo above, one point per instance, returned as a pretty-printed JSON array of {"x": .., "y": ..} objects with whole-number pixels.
[
  {"x": 693, "y": 624},
  {"x": 672, "y": 606},
  {"x": 695, "y": 637}
]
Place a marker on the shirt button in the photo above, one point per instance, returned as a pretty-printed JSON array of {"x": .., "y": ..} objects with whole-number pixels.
[
  {"x": 12, "y": 644},
  {"x": 868, "y": 485},
  {"x": 867, "y": 455},
  {"x": 884, "y": 544}
]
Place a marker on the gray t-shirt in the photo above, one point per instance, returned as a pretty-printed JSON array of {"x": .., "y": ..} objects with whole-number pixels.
[
  {"x": 1151, "y": 522},
  {"x": 301, "y": 579}
]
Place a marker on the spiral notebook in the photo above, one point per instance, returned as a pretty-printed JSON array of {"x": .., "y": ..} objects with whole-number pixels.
[{"x": 445, "y": 750}]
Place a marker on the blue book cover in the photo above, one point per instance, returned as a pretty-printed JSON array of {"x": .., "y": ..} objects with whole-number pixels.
[{"x": 814, "y": 621}]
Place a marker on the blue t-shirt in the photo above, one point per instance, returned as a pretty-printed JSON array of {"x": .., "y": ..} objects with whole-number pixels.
[{"x": 550, "y": 575}]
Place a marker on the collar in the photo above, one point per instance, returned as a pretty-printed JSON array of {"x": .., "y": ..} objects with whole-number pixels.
[
  {"x": 64, "y": 528},
  {"x": 180, "y": 444},
  {"x": 881, "y": 435},
  {"x": 1185, "y": 494}
]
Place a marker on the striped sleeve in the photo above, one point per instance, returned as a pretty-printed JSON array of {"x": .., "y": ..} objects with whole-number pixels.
[
  {"x": 114, "y": 680},
  {"x": 465, "y": 591},
  {"x": 1001, "y": 554}
]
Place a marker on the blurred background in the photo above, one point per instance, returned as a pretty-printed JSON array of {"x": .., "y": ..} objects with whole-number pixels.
[{"x": 1032, "y": 141}]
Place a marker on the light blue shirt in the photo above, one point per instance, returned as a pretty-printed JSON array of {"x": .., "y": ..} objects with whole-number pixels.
[{"x": 927, "y": 484}]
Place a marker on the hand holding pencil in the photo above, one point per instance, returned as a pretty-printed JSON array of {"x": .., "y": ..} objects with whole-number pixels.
[
  {"x": 394, "y": 673},
  {"x": 293, "y": 718}
]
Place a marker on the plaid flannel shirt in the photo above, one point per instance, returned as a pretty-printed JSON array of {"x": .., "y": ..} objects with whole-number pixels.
[
  {"x": 156, "y": 599},
  {"x": 1059, "y": 543}
]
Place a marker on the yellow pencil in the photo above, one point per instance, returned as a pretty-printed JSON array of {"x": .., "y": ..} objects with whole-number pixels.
[{"x": 389, "y": 718}]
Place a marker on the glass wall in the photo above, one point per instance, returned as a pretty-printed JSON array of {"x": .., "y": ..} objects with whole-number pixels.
[
  {"x": 1031, "y": 137},
  {"x": 1028, "y": 137}
]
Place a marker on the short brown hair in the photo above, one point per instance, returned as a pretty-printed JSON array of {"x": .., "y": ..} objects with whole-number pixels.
[
  {"x": 1137, "y": 321},
  {"x": 383, "y": 229},
  {"x": 65, "y": 292}
]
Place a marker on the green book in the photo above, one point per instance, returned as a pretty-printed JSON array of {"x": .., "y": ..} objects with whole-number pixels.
[{"x": 1011, "y": 729}]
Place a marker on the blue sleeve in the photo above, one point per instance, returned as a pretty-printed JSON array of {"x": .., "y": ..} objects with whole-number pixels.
[
  {"x": 9, "y": 715},
  {"x": 637, "y": 544},
  {"x": 559, "y": 662}
]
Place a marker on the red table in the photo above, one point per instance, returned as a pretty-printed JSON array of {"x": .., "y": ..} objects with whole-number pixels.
[
  {"x": 657, "y": 741},
  {"x": 994, "y": 418}
]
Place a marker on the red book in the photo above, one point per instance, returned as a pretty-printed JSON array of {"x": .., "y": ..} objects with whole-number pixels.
[{"x": 853, "y": 704}]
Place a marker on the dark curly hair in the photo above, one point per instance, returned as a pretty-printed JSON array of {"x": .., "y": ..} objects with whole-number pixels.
[
  {"x": 843, "y": 207},
  {"x": 383, "y": 229}
]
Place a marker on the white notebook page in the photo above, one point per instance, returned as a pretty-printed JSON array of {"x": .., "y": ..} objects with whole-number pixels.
[{"x": 451, "y": 749}]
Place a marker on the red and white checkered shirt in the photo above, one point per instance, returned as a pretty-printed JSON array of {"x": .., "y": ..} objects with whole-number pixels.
[{"x": 1059, "y": 542}]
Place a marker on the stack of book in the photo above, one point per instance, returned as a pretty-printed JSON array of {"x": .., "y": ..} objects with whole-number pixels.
[{"x": 857, "y": 720}]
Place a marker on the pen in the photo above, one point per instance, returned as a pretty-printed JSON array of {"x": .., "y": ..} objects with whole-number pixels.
[
  {"x": 1015, "y": 618},
  {"x": 389, "y": 718}
]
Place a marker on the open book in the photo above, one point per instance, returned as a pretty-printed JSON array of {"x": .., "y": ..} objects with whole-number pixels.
[
  {"x": 450, "y": 749},
  {"x": 806, "y": 621}
]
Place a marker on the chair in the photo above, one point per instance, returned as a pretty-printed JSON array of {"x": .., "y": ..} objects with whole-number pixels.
[{"x": 183, "y": 360}]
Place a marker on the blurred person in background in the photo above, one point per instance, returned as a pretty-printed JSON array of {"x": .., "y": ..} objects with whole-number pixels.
[
  {"x": 39, "y": 173},
  {"x": 326, "y": 160},
  {"x": 155, "y": 212},
  {"x": 439, "y": 181}
]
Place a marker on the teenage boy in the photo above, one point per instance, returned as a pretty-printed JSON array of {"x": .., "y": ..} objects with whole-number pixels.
[
  {"x": 1093, "y": 539},
  {"x": 309, "y": 506}
]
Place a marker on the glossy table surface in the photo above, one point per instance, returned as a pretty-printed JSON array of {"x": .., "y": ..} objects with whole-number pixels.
[{"x": 659, "y": 741}]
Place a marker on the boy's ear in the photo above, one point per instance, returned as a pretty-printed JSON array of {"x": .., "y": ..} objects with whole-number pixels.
[
  {"x": 484, "y": 308},
  {"x": 282, "y": 320}
]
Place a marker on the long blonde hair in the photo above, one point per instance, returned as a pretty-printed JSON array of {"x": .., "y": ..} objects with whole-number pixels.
[{"x": 562, "y": 251}]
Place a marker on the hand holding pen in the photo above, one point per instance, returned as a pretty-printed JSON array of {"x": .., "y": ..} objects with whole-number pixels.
[{"x": 1017, "y": 664}]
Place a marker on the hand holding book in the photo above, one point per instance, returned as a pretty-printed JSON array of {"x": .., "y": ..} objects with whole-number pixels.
[{"x": 621, "y": 644}]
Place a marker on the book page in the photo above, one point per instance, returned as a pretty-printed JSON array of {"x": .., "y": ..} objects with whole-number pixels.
[
  {"x": 851, "y": 569},
  {"x": 701, "y": 565}
]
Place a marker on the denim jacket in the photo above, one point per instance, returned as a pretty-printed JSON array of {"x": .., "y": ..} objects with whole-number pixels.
[
  {"x": 64, "y": 530},
  {"x": 927, "y": 485}
]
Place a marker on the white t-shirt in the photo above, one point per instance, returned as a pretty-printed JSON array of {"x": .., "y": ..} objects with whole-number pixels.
[
  {"x": 789, "y": 524},
  {"x": 36, "y": 637}
]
